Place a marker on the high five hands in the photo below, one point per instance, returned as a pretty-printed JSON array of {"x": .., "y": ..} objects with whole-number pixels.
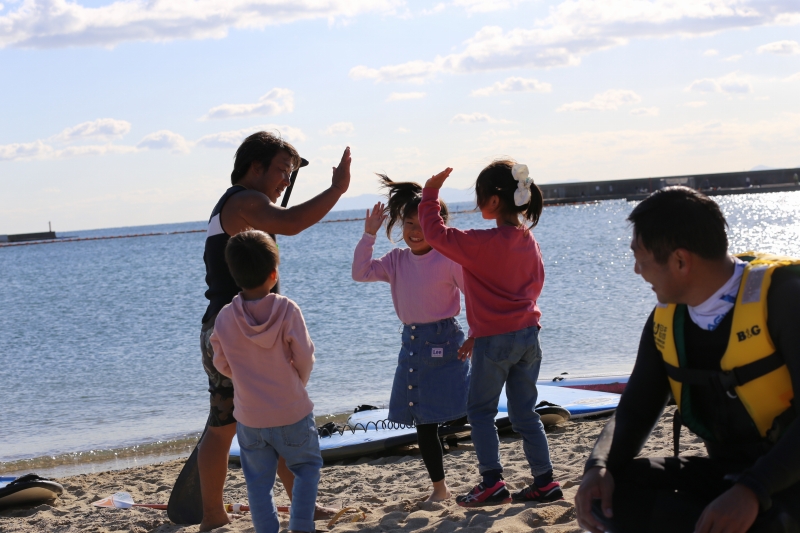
[
  {"x": 437, "y": 181},
  {"x": 341, "y": 174},
  {"x": 374, "y": 220}
]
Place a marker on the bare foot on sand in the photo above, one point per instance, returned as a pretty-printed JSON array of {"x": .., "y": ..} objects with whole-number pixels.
[
  {"x": 324, "y": 513},
  {"x": 441, "y": 492},
  {"x": 214, "y": 524}
]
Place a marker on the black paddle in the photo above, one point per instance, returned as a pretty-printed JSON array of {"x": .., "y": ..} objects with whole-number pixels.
[
  {"x": 284, "y": 202},
  {"x": 185, "y": 504}
]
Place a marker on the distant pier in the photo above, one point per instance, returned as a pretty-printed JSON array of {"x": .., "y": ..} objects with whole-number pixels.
[{"x": 53, "y": 239}]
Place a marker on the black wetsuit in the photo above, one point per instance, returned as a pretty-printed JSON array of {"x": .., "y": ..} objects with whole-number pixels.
[{"x": 669, "y": 494}]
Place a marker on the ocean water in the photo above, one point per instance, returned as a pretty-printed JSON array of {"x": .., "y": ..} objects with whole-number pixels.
[{"x": 99, "y": 340}]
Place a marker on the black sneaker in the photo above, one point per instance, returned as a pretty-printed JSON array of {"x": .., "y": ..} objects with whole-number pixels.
[
  {"x": 481, "y": 495},
  {"x": 548, "y": 493}
]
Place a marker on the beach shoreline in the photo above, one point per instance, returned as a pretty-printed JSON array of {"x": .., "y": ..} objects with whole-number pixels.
[
  {"x": 384, "y": 492},
  {"x": 95, "y": 461}
]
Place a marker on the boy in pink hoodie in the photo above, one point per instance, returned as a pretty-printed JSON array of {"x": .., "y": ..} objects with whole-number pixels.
[{"x": 261, "y": 342}]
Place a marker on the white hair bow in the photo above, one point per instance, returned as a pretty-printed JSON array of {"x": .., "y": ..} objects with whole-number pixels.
[{"x": 523, "y": 193}]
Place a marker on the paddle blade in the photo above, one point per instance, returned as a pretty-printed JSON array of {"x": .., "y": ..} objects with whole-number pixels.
[{"x": 185, "y": 504}]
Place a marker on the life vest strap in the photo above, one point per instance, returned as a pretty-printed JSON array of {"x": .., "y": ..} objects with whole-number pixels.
[
  {"x": 781, "y": 424},
  {"x": 730, "y": 379}
]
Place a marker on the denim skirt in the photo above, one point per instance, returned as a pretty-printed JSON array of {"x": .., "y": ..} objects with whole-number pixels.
[{"x": 430, "y": 383}]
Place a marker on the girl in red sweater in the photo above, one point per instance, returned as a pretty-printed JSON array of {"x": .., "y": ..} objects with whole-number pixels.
[{"x": 503, "y": 278}]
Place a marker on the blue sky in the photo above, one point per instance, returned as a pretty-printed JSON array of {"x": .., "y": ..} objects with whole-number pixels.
[{"x": 129, "y": 113}]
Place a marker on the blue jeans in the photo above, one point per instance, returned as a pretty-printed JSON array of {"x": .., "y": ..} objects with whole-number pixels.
[
  {"x": 511, "y": 359},
  {"x": 298, "y": 444}
]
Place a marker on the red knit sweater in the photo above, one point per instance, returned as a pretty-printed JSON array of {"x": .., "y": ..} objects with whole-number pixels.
[{"x": 503, "y": 270}]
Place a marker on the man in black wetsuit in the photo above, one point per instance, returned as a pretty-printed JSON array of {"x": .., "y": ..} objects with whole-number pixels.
[
  {"x": 261, "y": 172},
  {"x": 750, "y": 480}
]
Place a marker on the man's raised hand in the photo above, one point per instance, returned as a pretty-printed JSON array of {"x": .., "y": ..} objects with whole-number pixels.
[
  {"x": 374, "y": 220},
  {"x": 341, "y": 173},
  {"x": 598, "y": 483},
  {"x": 437, "y": 181}
]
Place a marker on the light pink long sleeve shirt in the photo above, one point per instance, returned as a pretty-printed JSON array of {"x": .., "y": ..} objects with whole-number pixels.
[
  {"x": 424, "y": 287},
  {"x": 503, "y": 270},
  {"x": 264, "y": 347}
]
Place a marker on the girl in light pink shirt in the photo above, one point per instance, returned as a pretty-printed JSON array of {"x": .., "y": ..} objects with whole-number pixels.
[{"x": 430, "y": 383}]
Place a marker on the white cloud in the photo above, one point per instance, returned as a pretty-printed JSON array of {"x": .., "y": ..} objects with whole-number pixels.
[
  {"x": 404, "y": 96},
  {"x": 695, "y": 104},
  {"x": 94, "y": 150},
  {"x": 514, "y": 85},
  {"x": 645, "y": 111},
  {"x": 24, "y": 151},
  {"x": 733, "y": 58},
  {"x": 731, "y": 83},
  {"x": 793, "y": 77},
  {"x": 438, "y": 8},
  {"x": 694, "y": 147},
  {"x": 164, "y": 140},
  {"x": 64, "y": 23},
  {"x": 485, "y": 6},
  {"x": 710, "y": 52},
  {"x": 403, "y": 130},
  {"x": 232, "y": 139},
  {"x": 40, "y": 150},
  {"x": 575, "y": 28},
  {"x": 610, "y": 100},
  {"x": 780, "y": 47},
  {"x": 275, "y": 102},
  {"x": 340, "y": 128},
  {"x": 102, "y": 128},
  {"x": 472, "y": 118}
]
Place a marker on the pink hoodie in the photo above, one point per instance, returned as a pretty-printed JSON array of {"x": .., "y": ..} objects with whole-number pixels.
[{"x": 264, "y": 347}]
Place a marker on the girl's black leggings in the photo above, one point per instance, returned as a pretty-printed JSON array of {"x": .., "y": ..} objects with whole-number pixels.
[{"x": 431, "y": 448}]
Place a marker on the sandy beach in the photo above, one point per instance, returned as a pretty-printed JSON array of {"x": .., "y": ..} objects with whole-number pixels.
[{"x": 384, "y": 492}]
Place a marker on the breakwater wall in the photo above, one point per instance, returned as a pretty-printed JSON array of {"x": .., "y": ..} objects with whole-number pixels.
[{"x": 775, "y": 180}]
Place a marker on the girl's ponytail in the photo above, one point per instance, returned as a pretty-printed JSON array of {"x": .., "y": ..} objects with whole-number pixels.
[
  {"x": 403, "y": 200},
  {"x": 534, "y": 208},
  {"x": 497, "y": 180}
]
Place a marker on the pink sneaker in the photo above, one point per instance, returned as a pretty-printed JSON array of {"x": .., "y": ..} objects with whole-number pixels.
[
  {"x": 548, "y": 493},
  {"x": 480, "y": 495}
]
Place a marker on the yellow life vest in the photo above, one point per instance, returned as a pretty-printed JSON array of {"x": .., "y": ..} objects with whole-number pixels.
[{"x": 750, "y": 368}]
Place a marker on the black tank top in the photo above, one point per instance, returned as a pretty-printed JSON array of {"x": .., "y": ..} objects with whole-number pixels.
[{"x": 221, "y": 287}]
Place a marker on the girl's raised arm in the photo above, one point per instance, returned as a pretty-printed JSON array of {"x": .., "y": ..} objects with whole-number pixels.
[
  {"x": 364, "y": 267},
  {"x": 463, "y": 247},
  {"x": 374, "y": 220}
]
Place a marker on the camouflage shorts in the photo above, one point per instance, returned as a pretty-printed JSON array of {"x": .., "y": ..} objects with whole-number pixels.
[{"x": 220, "y": 387}]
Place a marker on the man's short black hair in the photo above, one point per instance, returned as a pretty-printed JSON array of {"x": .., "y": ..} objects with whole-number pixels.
[
  {"x": 680, "y": 217},
  {"x": 251, "y": 256},
  {"x": 261, "y": 146}
]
